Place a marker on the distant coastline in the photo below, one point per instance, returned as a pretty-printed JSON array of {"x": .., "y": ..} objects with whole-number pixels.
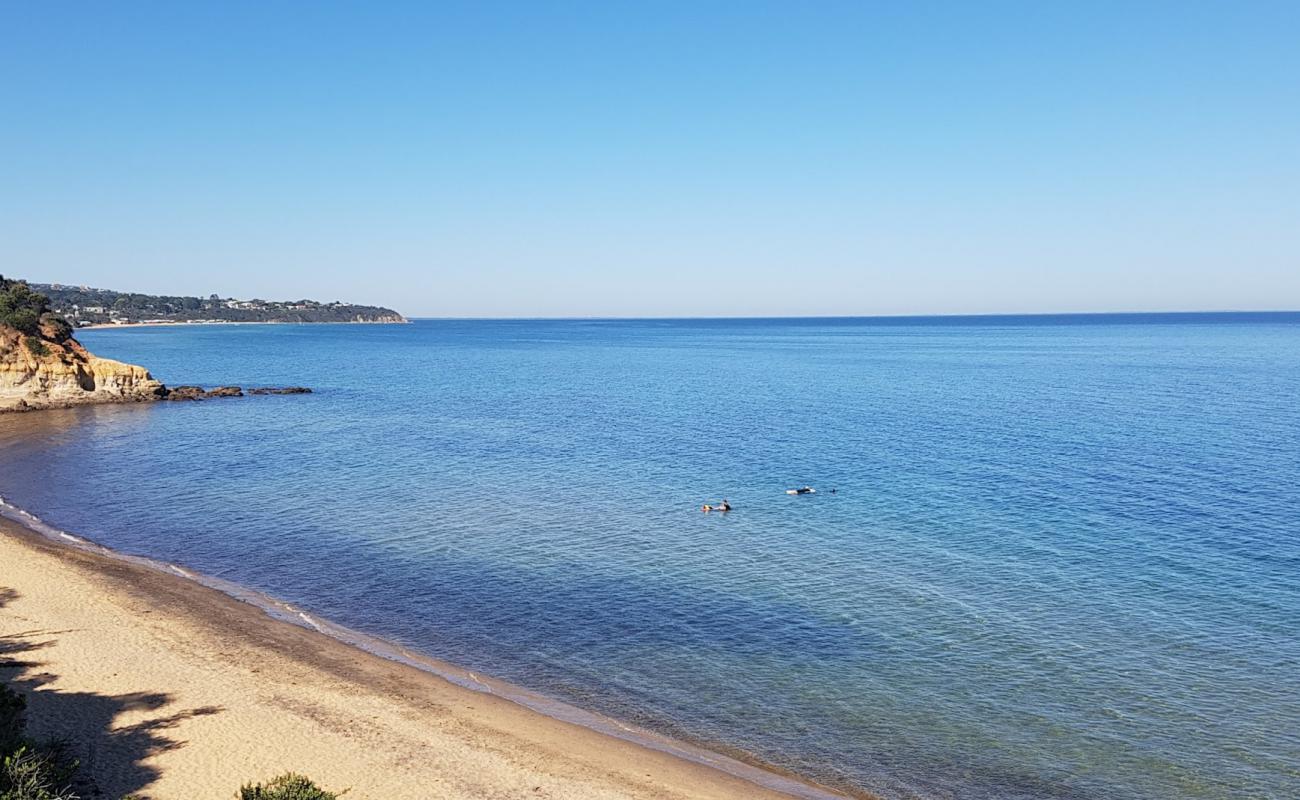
[
  {"x": 87, "y": 306},
  {"x": 200, "y": 322}
]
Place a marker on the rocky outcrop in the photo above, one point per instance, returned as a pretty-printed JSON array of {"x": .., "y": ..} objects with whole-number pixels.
[
  {"x": 185, "y": 393},
  {"x": 55, "y": 371},
  {"x": 280, "y": 390},
  {"x": 42, "y": 366},
  {"x": 199, "y": 393}
]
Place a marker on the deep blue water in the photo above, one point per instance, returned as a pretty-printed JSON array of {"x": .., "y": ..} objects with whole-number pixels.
[{"x": 1062, "y": 560}]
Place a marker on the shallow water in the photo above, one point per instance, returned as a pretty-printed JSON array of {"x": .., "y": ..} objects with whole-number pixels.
[{"x": 1062, "y": 560}]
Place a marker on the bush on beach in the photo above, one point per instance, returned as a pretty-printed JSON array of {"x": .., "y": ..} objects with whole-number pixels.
[
  {"x": 29, "y": 771},
  {"x": 286, "y": 787},
  {"x": 37, "y": 773}
]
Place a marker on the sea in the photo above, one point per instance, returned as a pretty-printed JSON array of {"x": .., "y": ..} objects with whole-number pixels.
[{"x": 1047, "y": 556}]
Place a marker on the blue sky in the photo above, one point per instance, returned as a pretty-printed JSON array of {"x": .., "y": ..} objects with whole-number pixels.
[{"x": 657, "y": 158}]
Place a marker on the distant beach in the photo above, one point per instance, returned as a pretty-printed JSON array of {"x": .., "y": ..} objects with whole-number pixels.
[
  {"x": 168, "y": 324},
  {"x": 204, "y": 322}
]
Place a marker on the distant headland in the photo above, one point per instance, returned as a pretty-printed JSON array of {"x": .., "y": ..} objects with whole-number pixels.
[
  {"x": 83, "y": 306},
  {"x": 43, "y": 366}
]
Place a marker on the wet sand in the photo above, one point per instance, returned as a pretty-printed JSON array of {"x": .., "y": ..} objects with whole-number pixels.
[{"x": 171, "y": 689}]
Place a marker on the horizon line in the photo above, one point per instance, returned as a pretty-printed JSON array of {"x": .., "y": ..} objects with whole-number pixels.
[{"x": 908, "y": 315}]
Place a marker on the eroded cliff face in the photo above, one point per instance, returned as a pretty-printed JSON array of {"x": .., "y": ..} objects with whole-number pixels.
[{"x": 44, "y": 372}]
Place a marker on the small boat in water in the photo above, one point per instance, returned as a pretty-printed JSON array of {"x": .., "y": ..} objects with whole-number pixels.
[{"x": 802, "y": 490}]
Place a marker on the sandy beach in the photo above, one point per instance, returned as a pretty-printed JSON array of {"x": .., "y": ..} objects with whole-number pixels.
[{"x": 170, "y": 690}]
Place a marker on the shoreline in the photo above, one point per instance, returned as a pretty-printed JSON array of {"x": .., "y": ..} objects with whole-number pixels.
[{"x": 595, "y": 756}]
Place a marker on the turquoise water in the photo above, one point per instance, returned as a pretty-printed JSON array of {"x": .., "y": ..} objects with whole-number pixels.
[{"x": 1062, "y": 560}]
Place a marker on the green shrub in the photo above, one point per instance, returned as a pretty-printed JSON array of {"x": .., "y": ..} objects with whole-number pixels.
[
  {"x": 32, "y": 773},
  {"x": 26, "y": 320},
  {"x": 28, "y": 771},
  {"x": 26, "y": 310},
  {"x": 36, "y": 346},
  {"x": 20, "y": 307},
  {"x": 286, "y": 787}
]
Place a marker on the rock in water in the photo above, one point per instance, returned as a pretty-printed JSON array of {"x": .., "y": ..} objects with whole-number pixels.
[
  {"x": 185, "y": 393},
  {"x": 280, "y": 390},
  {"x": 198, "y": 393}
]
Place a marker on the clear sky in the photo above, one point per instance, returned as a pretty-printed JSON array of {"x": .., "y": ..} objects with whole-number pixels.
[{"x": 659, "y": 158}]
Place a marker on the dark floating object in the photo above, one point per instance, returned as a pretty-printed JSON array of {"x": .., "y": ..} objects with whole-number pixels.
[
  {"x": 802, "y": 490},
  {"x": 280, "y": 390}
]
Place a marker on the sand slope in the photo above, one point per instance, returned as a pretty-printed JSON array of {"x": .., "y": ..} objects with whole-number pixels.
[{"x": 176, "y": 691}]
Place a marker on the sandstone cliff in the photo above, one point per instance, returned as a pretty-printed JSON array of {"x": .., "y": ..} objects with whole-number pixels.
[{"x": 53, "y": 370}]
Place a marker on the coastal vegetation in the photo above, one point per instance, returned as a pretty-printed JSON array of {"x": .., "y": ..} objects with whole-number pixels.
[
  {"x": 286, "y": 787},
  {"x": 31, "y": 770},
  {"x": 28, "y": 311},
  {"x": 83, "y": 305},
  {"x": 36, "y": 346}
]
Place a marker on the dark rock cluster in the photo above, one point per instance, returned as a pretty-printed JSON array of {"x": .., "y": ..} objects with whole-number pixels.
[
  {"x": 280, "y": 390},
  {"x": 199, "y": 393}
]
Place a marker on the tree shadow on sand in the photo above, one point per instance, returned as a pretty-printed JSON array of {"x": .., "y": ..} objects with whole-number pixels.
[{"x": 112, "y": 755}]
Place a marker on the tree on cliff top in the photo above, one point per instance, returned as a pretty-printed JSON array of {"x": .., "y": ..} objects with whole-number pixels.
[{"x": 26, "y": 310}]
